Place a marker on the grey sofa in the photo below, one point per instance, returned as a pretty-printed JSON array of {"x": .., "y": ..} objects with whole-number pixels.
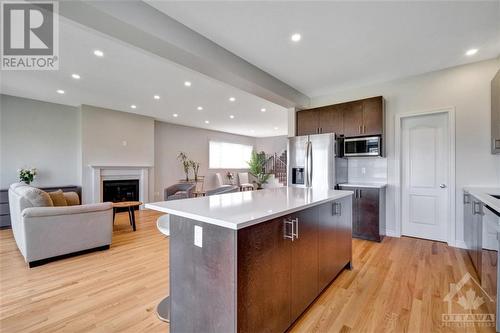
[
  {"x": 179, "y": 191},
  {"x": 223, "y": 189},
  {"x": 43, "y": 233}
]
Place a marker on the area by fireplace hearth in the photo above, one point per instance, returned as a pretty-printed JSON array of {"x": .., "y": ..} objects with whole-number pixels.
[{"x": 120, "y": 190}]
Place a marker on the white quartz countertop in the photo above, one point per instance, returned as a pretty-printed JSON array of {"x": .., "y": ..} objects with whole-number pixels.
[
  {"x": 367, "y": 185},
  {"x": 483, "y": 194},
  {"x": 242, "y": 209}
]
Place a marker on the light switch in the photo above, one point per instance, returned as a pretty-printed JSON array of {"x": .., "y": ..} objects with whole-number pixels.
[
  {"x": 198, "y": 236},
  {"x": 363, "y": 171},
  {"x": 124, "y": 143}
]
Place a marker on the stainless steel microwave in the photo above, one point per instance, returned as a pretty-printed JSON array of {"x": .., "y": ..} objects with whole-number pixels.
[{"x": 367, "y": 146}]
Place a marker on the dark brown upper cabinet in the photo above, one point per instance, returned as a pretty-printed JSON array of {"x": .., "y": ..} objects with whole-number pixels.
[
  {"x": 307, "y": 122},
  {"x": 353, "y": 119},
  {"x": 357, "y": 118},
  {"x": 373, "y": 116},
  {"x": 331, "y": 119}
]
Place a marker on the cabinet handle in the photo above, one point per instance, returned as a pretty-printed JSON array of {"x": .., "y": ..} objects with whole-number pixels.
[
  {"x": 286, "y": 223},
  {"x": 360, "y": 129},
  {"x": 359, "y": 193},
  {"x": 364, "y": 129},
  {"x": 295, "y": 231}
]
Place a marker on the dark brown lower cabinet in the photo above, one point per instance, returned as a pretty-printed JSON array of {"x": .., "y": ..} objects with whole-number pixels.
[
  {"x": 368, "y": 220},
  {"x": 264, "y": 279},
  {"x": 278, "y": 278},
  {"x": 304, "y": 273},
  {"x": 259, "y": 278}
]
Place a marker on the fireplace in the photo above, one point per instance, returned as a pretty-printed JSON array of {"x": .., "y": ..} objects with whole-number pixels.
[
  {"x": 120, "y": 190},
  {"x": 119, "y": 173}
]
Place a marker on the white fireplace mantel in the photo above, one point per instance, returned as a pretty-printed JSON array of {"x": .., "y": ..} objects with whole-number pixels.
[{"x": 101, "y": 172}]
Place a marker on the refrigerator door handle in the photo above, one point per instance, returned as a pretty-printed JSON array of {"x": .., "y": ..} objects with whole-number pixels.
[
  {"x": 306, "y": 165},
  {"x": 309, "y": 164}
]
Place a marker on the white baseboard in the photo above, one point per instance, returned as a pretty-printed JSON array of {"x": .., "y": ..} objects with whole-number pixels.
[
  {"x": 391, "y": 233},
  {"x": 460, "y": 244}
]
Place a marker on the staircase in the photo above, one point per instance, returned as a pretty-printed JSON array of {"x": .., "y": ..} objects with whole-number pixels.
[{"x": 276, "y": 166}]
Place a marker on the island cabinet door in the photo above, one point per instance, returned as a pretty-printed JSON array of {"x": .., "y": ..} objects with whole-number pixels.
[
  {"x": 335, "y": 238},
  {"x": 304, "y": 260},
  {"x": 264, "y": 277}
]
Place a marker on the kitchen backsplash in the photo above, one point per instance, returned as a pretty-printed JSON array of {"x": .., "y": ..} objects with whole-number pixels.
[{"x": 367, "y": 170}]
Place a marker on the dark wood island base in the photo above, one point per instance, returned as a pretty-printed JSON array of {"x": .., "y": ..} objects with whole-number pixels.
[{"x": 260, "y": 278}]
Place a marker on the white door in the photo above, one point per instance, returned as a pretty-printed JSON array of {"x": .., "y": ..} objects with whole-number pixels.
[{"x": 425, "y": 151}]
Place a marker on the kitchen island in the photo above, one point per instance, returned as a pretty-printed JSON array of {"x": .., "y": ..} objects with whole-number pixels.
[{"x": 254, "y": 261}]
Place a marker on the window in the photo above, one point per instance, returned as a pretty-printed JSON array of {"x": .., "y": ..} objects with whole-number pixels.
[{"x": 224, "y": 155}]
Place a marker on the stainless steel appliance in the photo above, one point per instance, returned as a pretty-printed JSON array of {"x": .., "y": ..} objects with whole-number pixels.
[
  {"x": 315, "y": 161},
  {"x": 365, "y": 146}
]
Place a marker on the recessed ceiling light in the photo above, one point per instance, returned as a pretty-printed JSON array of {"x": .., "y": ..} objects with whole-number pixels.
[
  {"x": 232, "y": 99},
  {"x": 133, "y": 106},
  {"x": 175, "y": 115},
  {"x": 231, "y": 116},
  {"x": 263, "y": 110},
  {"x": 199, "y": 108},
  {"x": 275, "y": 128},
  {"x": 60, "y": 91},
  {"x": 156, "y": 96},
  {"x": 296, "y": 37},
  {"x": 207, "y": 122},
  {"x": 75, "y": 76},
  {"x": 471, "y": 52},
  {"x": 187, "y": 84},
  {"x": 98, "y": 53}
]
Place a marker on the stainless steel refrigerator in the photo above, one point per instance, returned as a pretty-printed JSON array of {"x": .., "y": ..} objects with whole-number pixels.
[{"x": 316, "y": 161}]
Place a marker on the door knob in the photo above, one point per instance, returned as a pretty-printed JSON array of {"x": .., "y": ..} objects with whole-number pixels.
[{"x": 442, "y": 185}]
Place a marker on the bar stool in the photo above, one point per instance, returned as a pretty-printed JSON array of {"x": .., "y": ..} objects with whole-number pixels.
[{"x": 163, "y": 308}]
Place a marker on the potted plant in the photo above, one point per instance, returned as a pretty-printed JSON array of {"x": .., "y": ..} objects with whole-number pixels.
[
  {"x": 185, "y": 163},
  {"x": 27, "y": 175},
  {"x": 256, "y": 168},
  {"x": 196, "y": 167},
  {"x": 230, "y": 177}
]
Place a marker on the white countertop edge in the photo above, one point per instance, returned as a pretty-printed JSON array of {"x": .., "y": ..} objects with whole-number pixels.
[
  {"x": 483, "y": 194},
  {"x": 241, "y": 225},
  {"x": 367, "y": 185}
]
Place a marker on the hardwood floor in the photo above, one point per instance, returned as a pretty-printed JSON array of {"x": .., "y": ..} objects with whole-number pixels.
[{"x": 396, "y": 286}]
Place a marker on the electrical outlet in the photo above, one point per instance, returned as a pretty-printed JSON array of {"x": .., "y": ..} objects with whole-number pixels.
[
  {"x": 198, "y": 236},
  {"x": 363, "y": 171},
  {"x": 124, "y": 143}
]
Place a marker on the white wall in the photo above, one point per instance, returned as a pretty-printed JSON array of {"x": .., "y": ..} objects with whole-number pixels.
[
  {"x": 42, "y": 135},
  {"x": 171, "y": 139},
  {"x": 271, "y": 145},
  {"x": 467, "y": 88},
  {"x": 102, "y": 135}
]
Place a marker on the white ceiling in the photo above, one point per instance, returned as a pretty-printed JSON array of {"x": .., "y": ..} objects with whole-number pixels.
[
  {"x": 127, "y": 75},
  {"x": 345, "y": 44}
]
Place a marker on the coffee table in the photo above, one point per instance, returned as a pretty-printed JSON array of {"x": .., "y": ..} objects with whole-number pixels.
[{"x": 131, "y": 211}]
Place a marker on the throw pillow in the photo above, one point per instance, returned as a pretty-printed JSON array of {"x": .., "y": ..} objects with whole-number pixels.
[
  {"x": 58, "y": 198},
  {"x": 72, "y": 198},
  {"x": 35, "y": 196}
]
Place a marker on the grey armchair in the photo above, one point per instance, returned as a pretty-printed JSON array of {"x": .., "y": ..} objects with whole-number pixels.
[
  {"x": 221, "y": 187},
  {"x": 179, "y": 191}
]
